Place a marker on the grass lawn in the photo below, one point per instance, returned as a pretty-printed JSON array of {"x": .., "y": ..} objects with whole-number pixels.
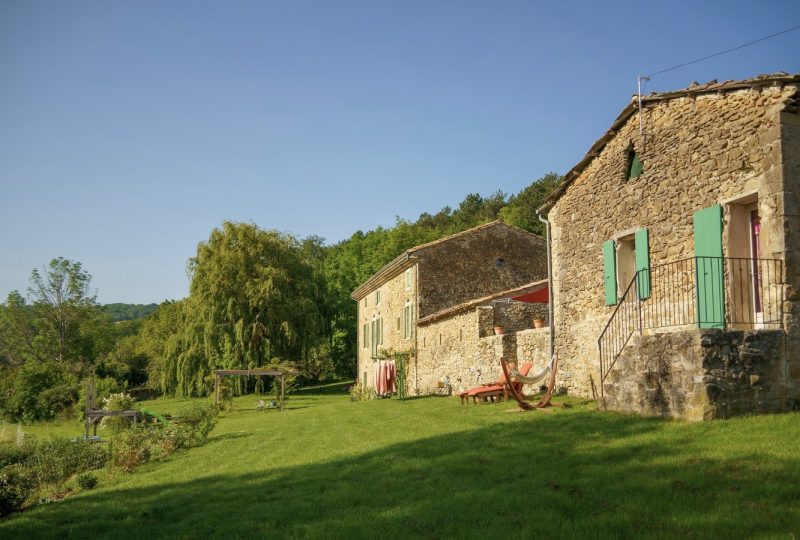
[{"x": 430, "y": 468}]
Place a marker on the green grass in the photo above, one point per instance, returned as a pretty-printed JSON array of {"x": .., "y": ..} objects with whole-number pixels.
[{"x": 430, "y": 468}]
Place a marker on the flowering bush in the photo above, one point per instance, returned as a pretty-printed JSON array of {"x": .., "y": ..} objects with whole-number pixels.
[
  {"x": 358, "y": 393},
  {"x": 143, "y": 443},
  {"x": 116, "y": 402}
]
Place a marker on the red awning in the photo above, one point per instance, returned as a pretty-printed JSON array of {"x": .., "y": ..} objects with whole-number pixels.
[{"x": 536, "y": 297}]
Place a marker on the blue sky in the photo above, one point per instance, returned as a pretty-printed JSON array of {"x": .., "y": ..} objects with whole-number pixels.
[{"x": 128, "y": 130}]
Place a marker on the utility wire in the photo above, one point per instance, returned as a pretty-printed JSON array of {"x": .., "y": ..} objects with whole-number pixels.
[{"x": 722, "y": 52}]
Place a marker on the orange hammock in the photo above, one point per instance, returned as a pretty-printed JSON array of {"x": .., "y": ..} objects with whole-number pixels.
[{"x": 516, "y": 390}]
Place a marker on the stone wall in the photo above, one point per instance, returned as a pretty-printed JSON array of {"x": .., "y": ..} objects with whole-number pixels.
[
  {"x": 464, "y": 349},
  {"x": 452, "y": 347},
  {"x": 700, "y": 375},
  {"x": 790, "y": 141},
  {"x": 517, "y": 316},
  {"x": 394, "y": 295},
  {"x": 466, "y": 267},
  {"x": 480, "y": 262},
  {"x": 697, "y": 151},
  {"x": 533, "y": 346}
]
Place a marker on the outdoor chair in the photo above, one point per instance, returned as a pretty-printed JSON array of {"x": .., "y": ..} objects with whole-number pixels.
[{"x": 493, "y": 391}]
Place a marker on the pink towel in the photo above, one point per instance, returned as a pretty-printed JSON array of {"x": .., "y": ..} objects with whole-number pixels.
[
  {"x": 391, "y": 377},
  {"x": 379, "y": 378},
  {"x": 385, "y": 375}
]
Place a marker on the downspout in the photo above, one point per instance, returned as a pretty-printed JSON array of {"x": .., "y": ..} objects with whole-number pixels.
[
  {"x": 550, "y": 321},
  {"x": 414, "y": 319}
]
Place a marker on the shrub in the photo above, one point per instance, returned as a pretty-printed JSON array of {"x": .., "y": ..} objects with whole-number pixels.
[
  {"x": 116, "y": 402},
  {"x": 16, "y": 487},
  {"x": 38, "y": 463},
  {"x": 87, "y": 481},
  {"x": 199, "y": 419},
  {"x": 104, "y": 387},
  {"x": 37, "y": 391},
  {"x": 53, "y": 461},
  {"x": 11, "y": 453},
  {"x": 358, "y": 393},
  {"x": 167, "y": 440},
  {"x": 132, "y": 448}
]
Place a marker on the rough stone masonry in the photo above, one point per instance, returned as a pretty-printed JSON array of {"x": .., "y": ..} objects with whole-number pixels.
[{"x": 736, "y": 144}]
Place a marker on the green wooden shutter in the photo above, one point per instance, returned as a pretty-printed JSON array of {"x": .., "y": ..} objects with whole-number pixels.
[
  {"x": 637, "y": 167},
  {"x": 642, "y": 263},
  {"x": 610, "y": 272},
  {"x": 708, "y": 267},
  {"x": 374, "y": 337}
]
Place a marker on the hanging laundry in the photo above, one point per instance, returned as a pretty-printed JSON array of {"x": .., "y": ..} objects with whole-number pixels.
[{"x": 385, "y": 377}]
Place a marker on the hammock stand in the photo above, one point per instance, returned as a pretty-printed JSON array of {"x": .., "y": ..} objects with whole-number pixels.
[{"x": 512, "y": 373}]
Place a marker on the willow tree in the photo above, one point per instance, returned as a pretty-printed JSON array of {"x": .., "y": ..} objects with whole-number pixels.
[{"x": 255, "y": 296}]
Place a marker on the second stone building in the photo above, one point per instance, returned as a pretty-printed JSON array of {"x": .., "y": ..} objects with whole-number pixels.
[{"x": 465, "y": 273}]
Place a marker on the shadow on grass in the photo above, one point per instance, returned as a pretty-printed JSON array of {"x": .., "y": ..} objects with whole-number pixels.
[
  {"x": 216, "y": 439},
  {"x": 337, "y": 388},
  {"x": 563, "y": 475}
]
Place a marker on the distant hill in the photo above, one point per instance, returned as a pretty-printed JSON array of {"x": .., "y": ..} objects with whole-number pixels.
[{"x": 129, "y": 312}]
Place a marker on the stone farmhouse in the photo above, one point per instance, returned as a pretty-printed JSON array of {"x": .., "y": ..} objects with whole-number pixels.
[
  {"x": 675, "y": 253},
  {"x": 398, "y": 305}
]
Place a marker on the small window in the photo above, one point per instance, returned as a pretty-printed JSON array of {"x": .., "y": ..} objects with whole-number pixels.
[
  {"x": 398, "y": 324},
  {"x": 365, "y": 336},
  {"x": 626, "y": 262},
  {"x": 375, "y": 337},
  {"x": 624, "y": 259},
  {"x": 635, "y": 167},
  {"x": 365, "y": 301},
  {"x": 500, "y": 263},
  {"x": 407, "y": 321},
  {"x": 377, "y": 297}
]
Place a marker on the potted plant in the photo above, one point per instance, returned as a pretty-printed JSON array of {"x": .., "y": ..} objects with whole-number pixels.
[{"x": 538, "y": 322}]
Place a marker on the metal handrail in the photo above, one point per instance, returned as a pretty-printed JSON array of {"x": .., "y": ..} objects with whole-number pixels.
[
  {"x": 628, "y": 330},
  {"x": 748, "y": 293}
]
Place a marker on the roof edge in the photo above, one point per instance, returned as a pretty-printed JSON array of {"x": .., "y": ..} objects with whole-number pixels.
[
  {"x": 399, "y": 263},
  {"x": 466, "y": 306},
  {"x": 712, "y": 87}
]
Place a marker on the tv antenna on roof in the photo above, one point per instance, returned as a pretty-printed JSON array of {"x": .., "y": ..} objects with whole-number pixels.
[{"x": 646, "y": 78}]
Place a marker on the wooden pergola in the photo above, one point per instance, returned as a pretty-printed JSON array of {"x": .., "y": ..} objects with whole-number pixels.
[{"x": 247, "y": 373}]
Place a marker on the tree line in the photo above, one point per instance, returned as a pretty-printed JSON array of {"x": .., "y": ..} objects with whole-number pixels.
[{"x": 257, "y": 298}]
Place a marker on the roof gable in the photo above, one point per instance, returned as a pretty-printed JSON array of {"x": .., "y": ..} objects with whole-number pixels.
[
  {"x": 695, "y": 89},
  {"x": 407, "y": 258}
]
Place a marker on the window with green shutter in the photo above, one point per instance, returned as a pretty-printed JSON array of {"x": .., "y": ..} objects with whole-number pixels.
[
  {"x": 642, "y": 257},
  {"x": 709, "y": 268},
  {"x": 635, "y": 166},
  {"x": 610, "y": 272},
  {"x": 623, "y": 259},
  {"x": 374, "y": 337},
  {"x": 407, "y": 321}
]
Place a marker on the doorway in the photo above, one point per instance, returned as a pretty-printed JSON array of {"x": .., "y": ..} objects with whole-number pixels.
[{"x": 745, "y": 280}]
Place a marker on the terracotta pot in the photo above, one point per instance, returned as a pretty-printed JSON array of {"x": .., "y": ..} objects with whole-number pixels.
[
  {"x": 499, "y": 330},
  {"x": 538, "y": 323}
]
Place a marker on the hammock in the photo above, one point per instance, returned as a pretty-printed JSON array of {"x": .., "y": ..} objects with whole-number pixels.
[
  {"x": 545, "y": 401},
  {"x": 536, "y": 377}
]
